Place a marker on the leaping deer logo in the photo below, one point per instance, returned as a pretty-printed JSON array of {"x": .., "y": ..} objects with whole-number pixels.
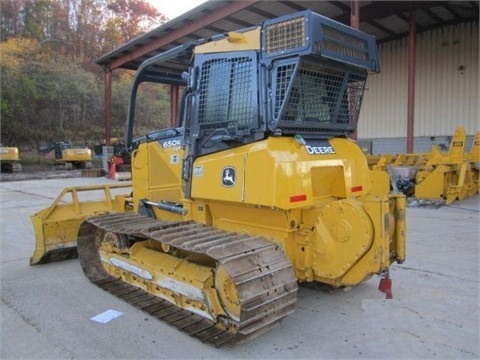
[{"x": 228, "y": 177}]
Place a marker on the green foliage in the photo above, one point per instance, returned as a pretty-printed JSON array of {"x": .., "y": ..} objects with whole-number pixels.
[
  {"x": 50, "y": 86},
  {"x": 152, "y": 108},
  {"x": 46, "y": 100}
]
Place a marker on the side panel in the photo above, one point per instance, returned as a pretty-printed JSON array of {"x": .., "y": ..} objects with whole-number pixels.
[
  {"x": 280, "y": 172},
  {"x": 157, "y": 170},
  {"x": 165, "y": 168},
  {"x": 220, "y": 177}
]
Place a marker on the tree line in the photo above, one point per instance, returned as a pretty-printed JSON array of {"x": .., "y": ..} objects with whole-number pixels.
[{"x": 51, "y": 87}]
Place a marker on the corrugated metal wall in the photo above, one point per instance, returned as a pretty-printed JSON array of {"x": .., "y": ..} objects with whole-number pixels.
[{"x": 446, "y": 88}]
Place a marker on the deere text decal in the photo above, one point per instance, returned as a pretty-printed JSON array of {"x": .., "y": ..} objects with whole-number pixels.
[{"x": 319, "y": 147}]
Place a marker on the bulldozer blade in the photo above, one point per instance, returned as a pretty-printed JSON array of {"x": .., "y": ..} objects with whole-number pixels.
[{"x": 56, "y": 227}]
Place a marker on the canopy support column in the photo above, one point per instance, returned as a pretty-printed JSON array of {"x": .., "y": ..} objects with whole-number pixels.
[{"x": 412, "y": 43}]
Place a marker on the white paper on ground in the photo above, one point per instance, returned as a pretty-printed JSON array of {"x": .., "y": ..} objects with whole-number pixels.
[{"x": 107, "y": 316}]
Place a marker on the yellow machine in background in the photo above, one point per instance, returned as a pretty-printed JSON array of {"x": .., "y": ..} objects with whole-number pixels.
[
  {"x": 473, "y": 157},
  {"x": 256, "y": 189},
  {"x": 9, "y": 159},
  {"x": 447, "y": 176},
  {"x": 435, "y": 176},
  {"x": 68, "y": 156}
]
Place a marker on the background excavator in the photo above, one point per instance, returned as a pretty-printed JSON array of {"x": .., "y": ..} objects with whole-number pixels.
[
  {"x": 9, "y": 159},
  {"x": 68, "y": 156},
  {"x": 256, "y": 189}
]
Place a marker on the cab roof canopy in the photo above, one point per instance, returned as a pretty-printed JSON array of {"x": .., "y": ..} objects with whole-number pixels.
[{"x": 386, "y": 20}]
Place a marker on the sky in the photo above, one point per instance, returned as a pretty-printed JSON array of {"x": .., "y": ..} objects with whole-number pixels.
[{"x": 174, "y": 8}]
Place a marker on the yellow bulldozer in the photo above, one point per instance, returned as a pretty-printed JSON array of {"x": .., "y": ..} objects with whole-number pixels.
[
  {"x": 256, "y": 189},
  {"x": 9, "y": 159}
]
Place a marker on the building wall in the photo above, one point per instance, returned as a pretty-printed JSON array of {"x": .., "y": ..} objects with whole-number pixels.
[
  {"x": 446, "y": 90},
  {"x": 421, "y": 144}
]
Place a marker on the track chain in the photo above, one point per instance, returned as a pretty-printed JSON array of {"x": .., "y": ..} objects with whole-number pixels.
[{"x": 263, "y": 275}]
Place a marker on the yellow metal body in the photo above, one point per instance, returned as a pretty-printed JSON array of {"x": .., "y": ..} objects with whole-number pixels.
[
  {"x": 380, "y": 162},
  {"x": 473, "y": 158},
  {"x": 161, "y": 181},
  {"x": 77, "y": 155},
  {"x": 10, "y": 159},
  {"x": 410, "y": 159},
  {"x": 56, "y": 227},
  {"x": 9, "y": 154},
  {"x": 335, "y": 219},
  {"x": 438, "y": 176},
  {"x": 474, "y": 154},
  {"x": 447, "y": 176},
  {"x": 76, "y": 158},
  {"x": 163, "y": 274},
  {"x": 248, "y": 40},
  {"x": 73, "y": 155}
]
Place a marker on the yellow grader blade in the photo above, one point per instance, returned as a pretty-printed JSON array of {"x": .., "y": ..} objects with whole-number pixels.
[{"x": 56, "y": 227}]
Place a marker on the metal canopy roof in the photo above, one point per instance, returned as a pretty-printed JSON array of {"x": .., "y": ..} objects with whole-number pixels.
[{"x": 386, "y": 20}]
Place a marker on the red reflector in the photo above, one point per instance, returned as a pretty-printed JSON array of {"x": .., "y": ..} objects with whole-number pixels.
[
  {"x": 296, "y": 198},
  {"x": 357, "y": 188}
]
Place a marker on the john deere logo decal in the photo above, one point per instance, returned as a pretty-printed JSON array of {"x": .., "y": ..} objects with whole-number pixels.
[{"x": 229, "y": 176}]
